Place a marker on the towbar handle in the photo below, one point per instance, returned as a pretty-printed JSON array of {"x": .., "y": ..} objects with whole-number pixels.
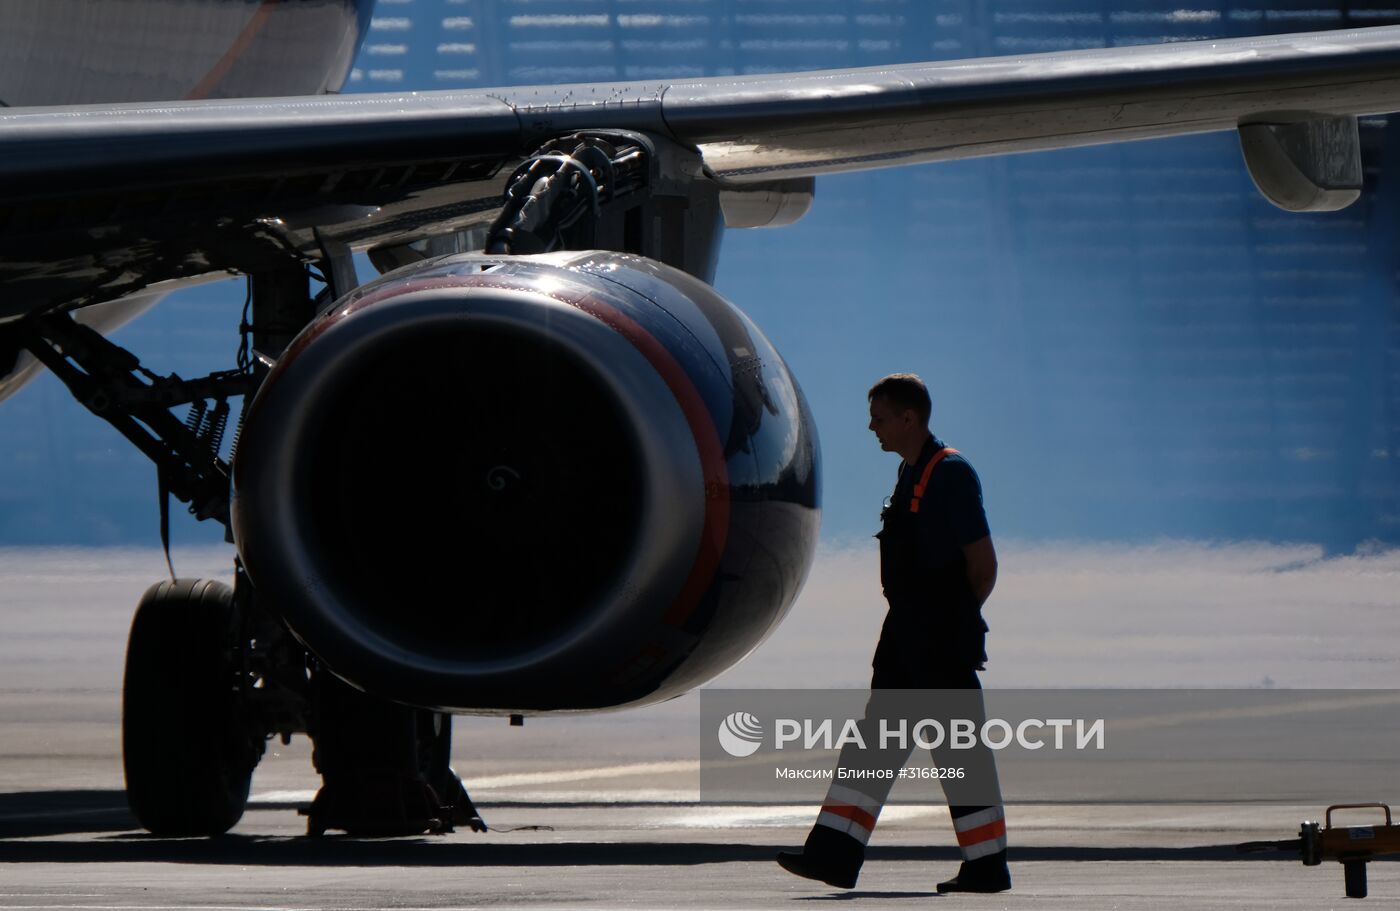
[{"x": 1358, "y": 806}]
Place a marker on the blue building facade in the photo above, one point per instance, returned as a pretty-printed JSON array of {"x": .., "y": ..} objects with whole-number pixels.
[{"x": 1131, "y": 340}]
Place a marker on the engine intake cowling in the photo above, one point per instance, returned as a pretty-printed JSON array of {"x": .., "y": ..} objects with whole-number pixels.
[{"x": 560, "y": 482}]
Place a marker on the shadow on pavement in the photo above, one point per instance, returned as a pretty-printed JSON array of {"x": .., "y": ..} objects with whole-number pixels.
[
  {"x": 467, "y": 851},
  {"x": 863, "y": 895},
  {"x": 34, "y": 814}
]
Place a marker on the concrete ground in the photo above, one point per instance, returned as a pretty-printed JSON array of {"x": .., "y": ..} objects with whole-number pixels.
[
  {"x": 76, "y": 848},
  {"x": 586, "y": 813}
]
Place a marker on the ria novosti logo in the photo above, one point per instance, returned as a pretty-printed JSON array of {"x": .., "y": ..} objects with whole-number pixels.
[{"x": 741, "y": 734}]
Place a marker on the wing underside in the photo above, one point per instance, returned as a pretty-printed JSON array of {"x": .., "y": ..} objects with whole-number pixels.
[{"x": 209, "y": 184}]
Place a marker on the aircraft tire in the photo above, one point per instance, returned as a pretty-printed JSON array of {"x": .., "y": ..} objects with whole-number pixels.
[{"x": 188, "y": 756}]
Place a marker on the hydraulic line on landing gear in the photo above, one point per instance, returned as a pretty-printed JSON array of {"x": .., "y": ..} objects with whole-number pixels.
[
  {"x": 1353, "y": 846},
  {"x": 113, "y": 385}
]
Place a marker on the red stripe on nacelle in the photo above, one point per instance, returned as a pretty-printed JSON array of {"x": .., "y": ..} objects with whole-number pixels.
[
  {"x": 713, "y": 465},
  {"x": 239, "y": 47}
]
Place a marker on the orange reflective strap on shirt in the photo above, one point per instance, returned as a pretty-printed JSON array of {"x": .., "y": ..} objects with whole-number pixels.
[{"x": 923, "y": 478}]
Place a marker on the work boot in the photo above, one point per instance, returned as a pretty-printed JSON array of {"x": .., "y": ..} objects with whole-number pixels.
[
  {"x": 828, "y": 856},
  {"x": 985, "y": 874}
]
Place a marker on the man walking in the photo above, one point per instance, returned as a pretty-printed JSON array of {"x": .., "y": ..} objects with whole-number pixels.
[{"x": 937, "y": 567}]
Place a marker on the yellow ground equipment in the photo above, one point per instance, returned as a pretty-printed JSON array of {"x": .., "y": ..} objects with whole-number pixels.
[{"x": 1354, "y": 846}]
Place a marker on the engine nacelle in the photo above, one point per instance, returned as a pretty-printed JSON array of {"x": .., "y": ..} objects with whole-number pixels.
[{"x": 558, "y": 482}]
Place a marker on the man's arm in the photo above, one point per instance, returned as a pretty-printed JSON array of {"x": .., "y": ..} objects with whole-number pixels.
[{"x": 981, "y": 559}]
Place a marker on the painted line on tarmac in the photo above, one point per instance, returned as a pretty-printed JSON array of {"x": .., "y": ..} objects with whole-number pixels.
[
  {"x": 1310, "y": 705},
  {"x": 521, "y": 779},
  {"x": 780, "y": 816},
  {"x": 561, "y": 775},
  {"x": 149, "y": 905}
]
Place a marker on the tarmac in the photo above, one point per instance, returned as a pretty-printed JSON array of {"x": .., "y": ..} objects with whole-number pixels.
[{"x": 600, "y": 812}]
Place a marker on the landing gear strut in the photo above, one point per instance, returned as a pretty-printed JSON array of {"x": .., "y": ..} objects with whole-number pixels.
[
  {"x": 385, "y": 767},
  {"x": 213, "y": 672}
]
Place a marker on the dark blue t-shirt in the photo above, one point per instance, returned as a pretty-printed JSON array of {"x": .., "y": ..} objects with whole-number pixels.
[
  {"x": 951, "y": 514},
  {"x": 934, "y": 622}
]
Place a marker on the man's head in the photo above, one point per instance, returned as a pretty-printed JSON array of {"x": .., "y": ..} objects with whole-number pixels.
[{"x": 899, "y": 412}]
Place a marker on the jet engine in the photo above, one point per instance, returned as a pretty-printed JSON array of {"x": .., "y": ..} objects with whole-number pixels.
[{"x": 530, "y": 483}]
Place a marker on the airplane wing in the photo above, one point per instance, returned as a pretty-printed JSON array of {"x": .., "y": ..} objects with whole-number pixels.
[{"x": 82, "y": 188}]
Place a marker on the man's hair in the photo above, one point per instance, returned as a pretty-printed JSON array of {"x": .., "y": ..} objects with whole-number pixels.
[{"x": 904, "y": 391}]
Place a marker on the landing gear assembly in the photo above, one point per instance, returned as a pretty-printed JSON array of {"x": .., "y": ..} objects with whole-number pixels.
[{"x": 213, "y": 672}]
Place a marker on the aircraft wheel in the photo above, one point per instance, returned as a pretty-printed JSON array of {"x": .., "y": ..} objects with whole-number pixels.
[{"x": 186, "y": 748}]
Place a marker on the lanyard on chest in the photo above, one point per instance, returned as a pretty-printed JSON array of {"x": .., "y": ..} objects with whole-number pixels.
[{"x": 924, "y": 476}]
